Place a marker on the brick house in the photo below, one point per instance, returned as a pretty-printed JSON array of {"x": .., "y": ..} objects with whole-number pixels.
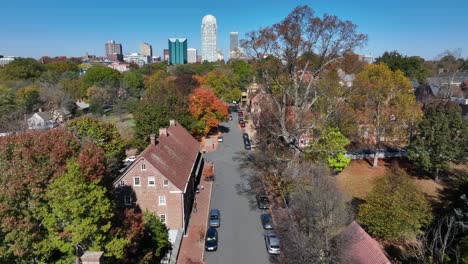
[{"x": 164, "y": 177}]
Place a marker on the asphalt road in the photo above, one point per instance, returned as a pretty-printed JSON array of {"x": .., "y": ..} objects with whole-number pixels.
[{"x": 241, "y": 233}]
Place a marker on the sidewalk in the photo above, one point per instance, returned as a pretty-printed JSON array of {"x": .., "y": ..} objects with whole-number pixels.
[{"x": 192, "y": 249}]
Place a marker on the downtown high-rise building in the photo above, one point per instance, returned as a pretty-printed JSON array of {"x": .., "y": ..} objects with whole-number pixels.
[
  {"x": 234, "y": 51},
  {"x": 177, "y": 51},
  {"x": 209, "y": 42},
  {"x": 166, "y": 54},
  {"x": 114, "y": 51},
  {"x": 191, "y": 55},
  {"x": 146, "y": 49}
]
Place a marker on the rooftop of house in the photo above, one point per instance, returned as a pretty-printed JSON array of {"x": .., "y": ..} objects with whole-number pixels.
[
  {"x": 44, "y": 115},
  {"x": 360, "y": 248},
  {"x": 173, "y": 154}
]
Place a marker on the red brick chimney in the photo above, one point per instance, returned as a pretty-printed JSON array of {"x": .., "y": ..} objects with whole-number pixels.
[
  {"x": 153, "y": 139},
  {"x": 163, "y": 132}
]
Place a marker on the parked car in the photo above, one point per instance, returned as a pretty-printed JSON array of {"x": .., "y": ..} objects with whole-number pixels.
[
  {"x": 267, "y": 221},
  {"x": 211, "y": 239},
  {"x": 230, "y": 117},
  {"x": 272, "y": 243},
  {"x": 215, "y": 218},
  {"x": 220, "y": 139},
  {"x": 130, "y": 159},
  {"x": 240, "y": 113},
  {"x": 242, "y": 124},
  {"x": 262, "y": 201},
  {"x": 247, "y": 144},
  {"x": 245, "y": 136},
  {"x": 240, "y": 120}
]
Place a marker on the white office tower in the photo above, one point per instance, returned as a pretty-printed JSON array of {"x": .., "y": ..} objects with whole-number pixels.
[
  {"x": 191, "y": 55},
  {"x": 209, "y": 34}
]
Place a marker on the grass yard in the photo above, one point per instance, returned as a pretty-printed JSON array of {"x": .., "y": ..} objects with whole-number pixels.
[
  {"x": 358, "y": 179},
  {"x": 124, "y": 124}
]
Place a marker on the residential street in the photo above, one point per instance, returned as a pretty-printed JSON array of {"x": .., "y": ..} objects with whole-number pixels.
[{"x": 241, "y": 234}]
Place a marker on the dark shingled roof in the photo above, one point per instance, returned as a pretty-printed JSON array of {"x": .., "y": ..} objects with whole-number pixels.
[
  {"x": 174, "y": 155},
  {"x": 360, "y": 248}
]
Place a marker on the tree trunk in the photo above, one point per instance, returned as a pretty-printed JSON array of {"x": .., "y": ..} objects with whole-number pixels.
[{"x": 436, "y": 178}]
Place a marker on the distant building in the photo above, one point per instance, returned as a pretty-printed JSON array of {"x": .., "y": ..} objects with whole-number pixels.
[
  {"x": 177, "y": 51},
  {"x": 146, "y": 49},
  {"x": 114, "y": 51},
  {"x": 199, "y": 59},
  {"x": 209, "y": 35},
  {"x": 367, "y": 58},
  {"x": 234, "y": 45},
  {"x": 191, "y": 55},
  {"x": 121, "y": 67},
  {"x": 5, "y": 60},
  {"x": 220, "y": 55},
  {"x": 156, "y": 58},
  {"x": 41, "y": 120},
  {"x": 138, "y": 59},
  {"x": 166, "y": 54}
]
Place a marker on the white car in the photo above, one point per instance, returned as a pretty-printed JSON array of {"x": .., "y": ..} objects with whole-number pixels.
[
  {"x": 129, "y": 159},
  {"x": 220, "y": 139}
]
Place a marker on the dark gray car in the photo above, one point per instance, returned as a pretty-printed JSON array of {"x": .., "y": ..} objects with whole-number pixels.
[
  {"x": 215, "y": 218},
  {"x": 272, "y": 243},
  {"x": 267, "y": 221}
]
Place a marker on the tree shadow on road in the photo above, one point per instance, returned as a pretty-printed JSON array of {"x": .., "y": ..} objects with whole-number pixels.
[{"x": 251, "y": 183}]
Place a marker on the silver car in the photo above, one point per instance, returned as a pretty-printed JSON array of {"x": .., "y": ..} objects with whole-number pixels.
[
  {"x": 272, "y": 243},
  {"x": 215, "y": 218}
]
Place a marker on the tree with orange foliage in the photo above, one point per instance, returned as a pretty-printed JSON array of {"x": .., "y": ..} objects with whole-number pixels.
[{"x": 208, "y": 109}]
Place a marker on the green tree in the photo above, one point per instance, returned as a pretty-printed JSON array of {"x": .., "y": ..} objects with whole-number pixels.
[
  {"x": 133, "y": 81},
  {"x": 148, "y": 119},
  {"x": 77, "y": 217},
  {"x": 413, "y": 67},
  {"x": 222, "y": 81},
  {"x": 7, "y": 100},
  {"x": 464, "y": 250},
  {"x": 441, "y": 138},
  {"x": 386, "y": 106},
  {"x": 395, "y": 208},
  {"x": 29, "y": 97},
  {"x": 331, "y": 149},
  {"x": 233, "y": 95},
  {"x": 103, "y": 135},
  {"x": 101, "y": 76},
  {"x": 243, "y": 71},
  {"x": 156, "y": 238},
  {"x": 22, "y": 69}
]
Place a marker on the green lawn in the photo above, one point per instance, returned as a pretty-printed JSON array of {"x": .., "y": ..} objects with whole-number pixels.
[{"x": 124, "y": 123}]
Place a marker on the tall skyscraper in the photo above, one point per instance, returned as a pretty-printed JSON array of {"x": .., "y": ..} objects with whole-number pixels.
[
  {"x": 114, "y": 51},
  {"x": 177, "y": 50},
  {"x": 234, "y": 44},
  {"x": 209, "y": 34},
  {"x": 192, "y": 55},
  {"x": 146, "y": 49}
]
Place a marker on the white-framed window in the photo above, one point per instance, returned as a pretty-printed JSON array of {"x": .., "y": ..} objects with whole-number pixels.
[
  {"x": 151, "y": 181},
  {"x": 127, "y": 200},
  {"x": 162, "y": 200},
  {"x": 143, "y": 166},
  {"x": 165, "y": 182},
  {"x": 136, "y": 181},
  {"x": 163, "y": 219},
  {"x": 122, "y": 183}
]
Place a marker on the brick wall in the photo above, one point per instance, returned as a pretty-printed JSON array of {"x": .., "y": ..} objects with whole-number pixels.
[{"x": 147, "y": 197}]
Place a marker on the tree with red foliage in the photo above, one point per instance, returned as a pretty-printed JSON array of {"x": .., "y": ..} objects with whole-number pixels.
[
  {"x": 208, "y": 109},
  {"x": 29, "y": 163}
]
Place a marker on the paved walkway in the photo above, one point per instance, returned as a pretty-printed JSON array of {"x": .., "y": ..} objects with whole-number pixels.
[{"x": 192, "y": 249}]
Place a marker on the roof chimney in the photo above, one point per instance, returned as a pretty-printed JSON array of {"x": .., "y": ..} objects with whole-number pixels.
[
  {"x": 92, "y": 257},
  {"x": 172, "y": 122},
  {"x": 153, "y": 139},
  {"x": 163, "y": 132}
]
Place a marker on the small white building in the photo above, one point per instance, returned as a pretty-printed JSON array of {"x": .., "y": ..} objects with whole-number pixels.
[
  {"x": 41, "y": 120},
  {"x": 121, "y": 67},
  {"x": 61, "y": 115},
  {"x": 5, "y": 60}
]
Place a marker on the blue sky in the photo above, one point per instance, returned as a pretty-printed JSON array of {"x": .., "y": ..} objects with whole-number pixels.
[{"x": 61, "y": 27}]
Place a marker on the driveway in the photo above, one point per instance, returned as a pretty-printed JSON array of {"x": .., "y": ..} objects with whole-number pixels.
[{"x": 241, "y": 234}]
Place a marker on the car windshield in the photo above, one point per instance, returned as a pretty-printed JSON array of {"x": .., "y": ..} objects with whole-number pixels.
[
  {"x": 263, "y": 199},
  {"x": 214, "y": 217},
  {"x": 213, "y": 238}
]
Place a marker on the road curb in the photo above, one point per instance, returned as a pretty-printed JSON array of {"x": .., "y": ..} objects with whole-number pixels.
[{"x": 208, "y": 211}]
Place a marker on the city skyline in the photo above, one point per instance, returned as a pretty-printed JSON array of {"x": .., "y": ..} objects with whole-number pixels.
[{"x": 416, "y": 28}]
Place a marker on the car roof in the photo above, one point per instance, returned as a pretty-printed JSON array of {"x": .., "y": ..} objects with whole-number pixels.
[
  {"x": 211, "y": 232},
  {"x": 214, "y": 212},
  {"x": 274, "y": 240},
  {"x": 266, "y": 216}
]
